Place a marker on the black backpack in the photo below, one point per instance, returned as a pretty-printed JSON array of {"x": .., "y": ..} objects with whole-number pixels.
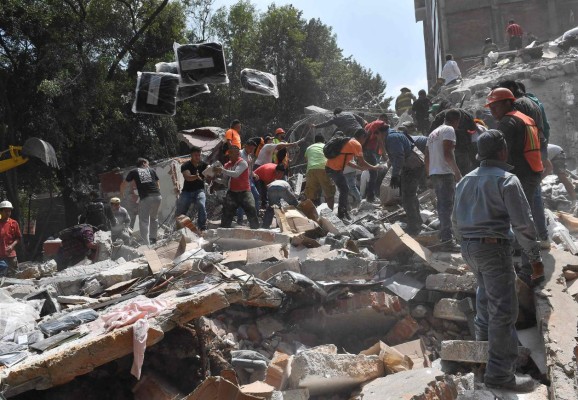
[
  {"x": 333, "y": 148},
  {"x": 96, "y": 217}
]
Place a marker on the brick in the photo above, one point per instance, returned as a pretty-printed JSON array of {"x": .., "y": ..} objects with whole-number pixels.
[
  {"x": 450, "y": 283},
  {"x": 325, "y": 374},
  {"x": 402, "y": 331},
  {"x": 279, "y": 370}
]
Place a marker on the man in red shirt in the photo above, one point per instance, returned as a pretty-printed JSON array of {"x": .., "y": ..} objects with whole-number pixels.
[
  {"x": 335, "y": 166},
  {"x": 373, "y": 150},
  {"x": 266, "y": 174},
  {"x": 239, "y": 193},
  {"x": 10, "y": 235},
  {"x": 515, "y": 32}
]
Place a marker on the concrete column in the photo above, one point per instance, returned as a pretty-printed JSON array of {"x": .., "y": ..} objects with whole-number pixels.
[{"x": 429, "y": 43}]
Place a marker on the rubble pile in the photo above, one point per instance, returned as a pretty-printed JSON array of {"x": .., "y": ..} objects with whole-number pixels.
[{"x": 315, "y": 308}]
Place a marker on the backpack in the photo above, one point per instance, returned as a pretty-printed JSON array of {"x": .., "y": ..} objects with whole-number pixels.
[
  {"x": 95, "y": 215},
  {"x": 333, "y": 147},
  {"x": 72, "y": 233}
]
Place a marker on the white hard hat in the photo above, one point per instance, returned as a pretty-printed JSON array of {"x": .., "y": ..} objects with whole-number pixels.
[{"x": 6, "y": 204}]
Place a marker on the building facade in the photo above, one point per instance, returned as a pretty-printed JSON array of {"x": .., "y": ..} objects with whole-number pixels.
[{"x": 459, "y": 27}]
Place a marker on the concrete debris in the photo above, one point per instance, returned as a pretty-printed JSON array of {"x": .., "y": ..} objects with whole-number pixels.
[
  {"x": 324, "y": 374},
  {"x": 468, "y": 351},
  {"x": 450, "y": 283}
]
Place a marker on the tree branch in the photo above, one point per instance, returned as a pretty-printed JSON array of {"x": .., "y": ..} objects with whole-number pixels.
[{"x": 133, "y": 40}]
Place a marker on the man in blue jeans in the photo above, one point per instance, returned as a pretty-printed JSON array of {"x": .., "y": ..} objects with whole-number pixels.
[
  {"x": 442, "y": 169},
  {"x": 276, "y": 191},
  {"x": 490, "y": 200},
  {"x": 194, "y": 188}
]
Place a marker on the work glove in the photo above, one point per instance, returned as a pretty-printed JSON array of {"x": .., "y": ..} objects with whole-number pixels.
[{"x": 395, "y": 182}]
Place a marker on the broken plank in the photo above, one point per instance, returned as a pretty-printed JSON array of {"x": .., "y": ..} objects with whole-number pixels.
[{"x": 155, "y": 264}]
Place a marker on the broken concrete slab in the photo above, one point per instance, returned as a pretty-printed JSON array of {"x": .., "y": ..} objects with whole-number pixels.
[
  {"x": 338, "y": 266},
  {"x": 557, "y": 316},
  {"x": 539, "y": 393},
  {"x": 450, "y": 283},
  {"x": 332, "y": 373},
  {"x": 531, "y": 339},
  {"x": 291, "y": 264},
  {"x": 217, "y": 388},
  {"x": 415, "y": 384},
  {"x": 273, "y": 252},
  {"x": 403, "y": 285},
  {"x": 471, "y": 351},
  {"x": 450, "y": 310},
  {"x": 396, "y": 242},
  {"x": 330, "y": 223},
  {"x": 240, "y": 239},
  {"x": 122, "y": 272}
]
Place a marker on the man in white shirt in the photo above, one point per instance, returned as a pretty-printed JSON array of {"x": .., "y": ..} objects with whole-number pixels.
[
  {"x": 266, "y": 153},
  {"x": 441, "y": 167},
  {"x": 451, "y": 72},
  {"x": 557, "y": 159}
]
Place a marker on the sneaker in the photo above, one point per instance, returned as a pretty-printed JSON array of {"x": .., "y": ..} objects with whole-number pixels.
[
  {"x": 545, "y": 244},
  {"x": 519, "y": 384}
]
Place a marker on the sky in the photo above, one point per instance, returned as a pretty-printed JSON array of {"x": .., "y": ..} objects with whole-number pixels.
[{"x": 381, "y": 35}]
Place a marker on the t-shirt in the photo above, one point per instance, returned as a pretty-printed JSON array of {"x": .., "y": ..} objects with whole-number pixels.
[
  {"x": 554, "y": 151},
  {"x": 234, "y": 137},
  {"x": 146, "y": 181},
  {"x": 266, "y": 173},
  {"x": 435, "y": 144},
  {"x": 315, "y": 157},
  {"x": 9, "y": 233},
  {"x": 451, "y": 71},
  {"x": 350, "y": 150},
  {"x": 197, "y": 184},
  {"x": 266, "y": 154}
]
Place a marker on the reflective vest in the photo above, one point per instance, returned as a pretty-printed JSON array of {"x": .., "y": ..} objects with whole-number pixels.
[{"x": 531, "y": 142}]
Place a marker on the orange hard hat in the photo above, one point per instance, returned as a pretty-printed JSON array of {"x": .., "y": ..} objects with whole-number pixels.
[
  {"x": 499, "y": 94},
  {"x": 279, "y": 131}
]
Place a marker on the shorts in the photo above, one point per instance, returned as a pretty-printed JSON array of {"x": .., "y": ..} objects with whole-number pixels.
[
  {"x": 559, "y": 163},
  {"x": 316, "y": 180}
]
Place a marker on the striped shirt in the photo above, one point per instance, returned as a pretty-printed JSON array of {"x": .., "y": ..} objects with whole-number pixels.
[{"x": 514, "y": 30}]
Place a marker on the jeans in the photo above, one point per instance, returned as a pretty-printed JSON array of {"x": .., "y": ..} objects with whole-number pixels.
[
  {"x": 539, "y": 214},
  {"x": 256, "y": 196},
  {"x": 351, "y": 179},
  {"x": 199, "y": 197},
  {"x": 262, "y": 190},
  {"x": 445, "y": 189},
  {"x": 339, "y": 179},
  {"x": 372, "y": 158},
  {"x": 234, "y": 200},
  {"x": 496, "y": 306},
  {"x": 409, "y": 183},
  {"x": 530, "y": 184},
  {"x": 275, "y": 194},
  {"x": 148, "y": 220}
]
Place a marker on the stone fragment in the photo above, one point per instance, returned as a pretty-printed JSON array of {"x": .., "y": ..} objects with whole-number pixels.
[
  {"x": 296, "y": 394},
  {"x": 269, "y": 325},
  {"x": 279, "y": 370},
  {"x": 450, "y": 283},
  {"x": 330, "y": 223},
  {"x": 539, "y": 393},
  {"x": 359, "y": 232},
  {"x": 326, "y": 374},
  {"x": 427, "y": 383},
  {"x": 468, "y": 351},
  {"x": 258, "y": 389},
  {"x": 449, "y": 309},
  {"x": 239, "y": 238}
]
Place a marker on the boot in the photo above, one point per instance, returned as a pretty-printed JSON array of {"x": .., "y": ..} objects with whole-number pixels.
[{"x": 519, "y": 384}]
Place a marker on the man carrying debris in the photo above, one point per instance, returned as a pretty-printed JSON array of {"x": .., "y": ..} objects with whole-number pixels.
[
  {"x": 451, "y": 71},
  {"x": 276, "y": 191},
  {"x": 404, "y": 101},
  {"x": 490, "y": 200},
  {"x": 316, "y": 179},
  {"x": 194, "y": 188},
  {"x": 443, "y": 171},
  {"x": 239, "y": 193},
  {"x": 420, "y": 110},
  {"x": 521, "y": 135},
  {"x": 489, "y": 47},
  {"x": 10, "y": 236},
  {"x": 121, "y": 230},
  {"x": 373, "y": 150},
  {"x": 148, "y": 186},
  {"x": 345, "y": 122},
  {"x": 351, "y": 149},
  {"x": 407, "y": 168},
  {"x": 515, "y": 33},
  {"x": 264, "y": 175}
]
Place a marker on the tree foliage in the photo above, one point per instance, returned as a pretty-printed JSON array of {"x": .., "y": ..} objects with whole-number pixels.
[{"x": 68, "y": 72}]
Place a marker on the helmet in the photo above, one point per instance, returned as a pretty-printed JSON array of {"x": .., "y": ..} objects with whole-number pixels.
[
  {"x": 115, "y": 200},
  {"x": 6, "y": 204},
  {"x": 279, "y": 131},
  {"x": 404, "y": 89},
  {"x": 499, "y": 94}
]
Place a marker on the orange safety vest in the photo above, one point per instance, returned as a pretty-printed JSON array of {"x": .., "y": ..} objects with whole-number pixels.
[{"x": 531, "y": 142}]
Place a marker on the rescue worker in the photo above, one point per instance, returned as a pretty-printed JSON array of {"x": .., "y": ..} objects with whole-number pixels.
[
  {"x": 278, "y": 190},
  {"x": 373, "y": 150},
  {"x": 404, "y": 101},
  {"x": 420, "y": 112},
  {"x": 346, "y": 122},
  {"x": 10, "y": 236},
  {"x": 515, "y": 34},
  {"x": 316, "y": 179},
  {"x": 194, "y": 188},
  {"x": 122, "y": 228},
  {"x": 489, "y": 201}
]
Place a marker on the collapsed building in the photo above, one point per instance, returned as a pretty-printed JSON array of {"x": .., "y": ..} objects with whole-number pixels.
[{"x": 314, "y": 308}]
